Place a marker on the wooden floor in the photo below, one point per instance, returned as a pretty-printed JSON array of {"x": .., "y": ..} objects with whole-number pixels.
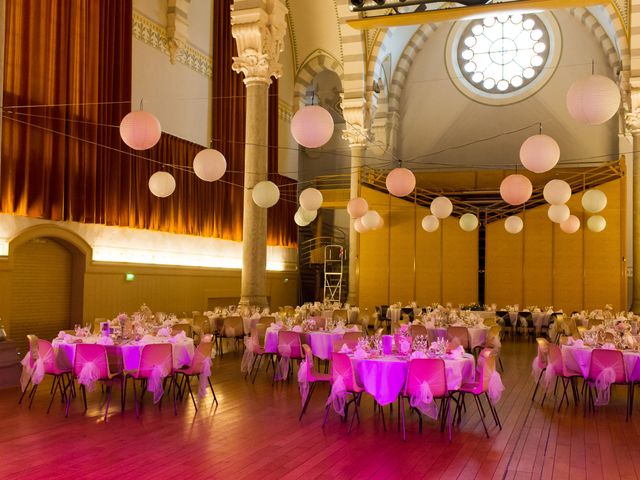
[{"x": 255, "y": 433}]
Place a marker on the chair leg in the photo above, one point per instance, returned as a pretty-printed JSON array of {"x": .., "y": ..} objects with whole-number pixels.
[
  {"x": 66, "y": 411},
  {"x": 106, "y": 408},
  {"x": 24, "y": 392},
  {"x": 307, "y": 400},
  {"x": 326, "y": 414},
  {"x": 486, "y": 432},
  {"x": 356, "y": 402},
  {"x": 123, "y": 396},
  {"x": 402, "y": 414},
  {"x": 448, "y": 412},
  {"x": 135, "y": 396},
  {"x": 537, "y": 385},
  {"x": 215, "y": 399},
  {"x": 32, "y": 394},
  {"x": 191, "y": 393},
  {"x": 494, "y": 411},
  {"x": 84, "y": 396},
  {"x": 56, "y": 381}
]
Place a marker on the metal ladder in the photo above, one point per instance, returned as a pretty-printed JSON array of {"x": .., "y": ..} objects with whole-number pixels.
[{"x": 333, "y": 257}]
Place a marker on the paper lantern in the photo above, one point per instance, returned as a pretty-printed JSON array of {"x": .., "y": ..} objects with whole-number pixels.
[
  {"x": 400, "y": 182},
  {"x": 596, "y": 223},
  {"x": 557, "y": 192},
  {"x": 593, "y": 100},
  {"x": 371, "y": 220},
  {"x": 209, "y": 165},
  {"x": 594, "y": 201},
  {"x": 539, "y": 153},
  {"x": 441, "y": 207},
  {"x": 357, "y": 207},
  {"x": 468, "y": 222},
  {"x": 299, "y": 220},
  {"x": 558, "y": 213},
  {"x": 140, "y": 130},
  {"x": 513, "y": 224},
  {"x": 312, "y": 126},
  {"x": 380, "y": 223},
  {"x": 516, "y": 189},
  {"x": 306, "y": 215},
  {"x": 570, "y": 225},
  {"x": 162, "y": 184},
  {"x": 359, "y": 227},
  {"x": 265, "y": 194},
  {"x": 430, "y": 223},
  {"x": 311, "y": 199}
]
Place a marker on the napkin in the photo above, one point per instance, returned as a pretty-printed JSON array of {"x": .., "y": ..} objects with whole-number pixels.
[
  {"x": 105, "y": 341},
  {"x": 61, "y": 334},
  {"x": 275, "y": 326},
  {"x": 177, "y": 338},
  {"x": 297, "y": 328},
  {"x": 360, "y": 354},
  {"x": 608, "y": 346},
  {"x": 338, "y": 330},
  {"x": 578, "y": 343},
  {"x": 418, "y": 354},
  {"x": 345, "y": 348},
  {"x": 164, "y": 332},
  {"x": 71, "y": 339},
  {"x": 457, "y": 352},
  {"x": 404, "y": 346}
]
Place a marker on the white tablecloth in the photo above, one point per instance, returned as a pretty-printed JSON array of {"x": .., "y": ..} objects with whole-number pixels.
[{"x": 477, "y": 335}]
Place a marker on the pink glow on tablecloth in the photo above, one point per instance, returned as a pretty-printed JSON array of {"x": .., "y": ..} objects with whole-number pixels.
[{"x": 577, "y": 361}]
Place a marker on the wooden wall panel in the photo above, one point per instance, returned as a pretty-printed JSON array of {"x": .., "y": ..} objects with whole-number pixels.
[
  {"x": 401, "y": 223},
  {"x": 428, "y": 263},
  {"x": 503, "y": 266},
  {"x": 538, "y": 268},
  {"x": 459, "y": 263}
]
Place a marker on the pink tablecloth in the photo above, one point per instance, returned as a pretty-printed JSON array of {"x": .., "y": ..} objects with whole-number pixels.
[
  {"x": 321, "y": 343},
  {"x": 384, "y": 377},
  {"x": 577, "y": 360}
]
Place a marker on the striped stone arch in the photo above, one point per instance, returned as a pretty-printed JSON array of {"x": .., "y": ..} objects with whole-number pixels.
[
  {"x": 378, "y": 103},
  {"x": 592, "y": 24},
  {"x": 315, "y": 63}
]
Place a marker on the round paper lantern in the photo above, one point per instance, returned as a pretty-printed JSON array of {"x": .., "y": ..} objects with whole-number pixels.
[
  {"x": 311, "y": 199},
  {"x": 593, "y": 100},
  {"x": 312, "y": 126},
  {"x": 570, "y": 225},
  {"x": 468, "y": 222},
  {"x": 306, "y": 215},
  {"x": 539, "y": 153},
  {"x": 140, "y": 130},
  {"x": 441, "y": 207},
  {"x": 209, "y": 165},
  {"x": 596, "y": 223},
  {"x": 401, "y": 182},
  {"x": 513, "y": 224},
  {"x": 265, "y": 194},
  {"x": 162, "y": 184},
  {"x": 371, "y": 220},
  {"x": 516, "y": 189},
  {"x": 380, "y": 223},
  {"x": 299, "y": 220},
  {"x": 558, "y": 213},
  {"x": 359, "y": 227},
  {"x": 594, "y": 201},
  {"x": 557, "y": 192},
  {"x": 430, "y": 223},
  {"x": 357, "y": 207}
]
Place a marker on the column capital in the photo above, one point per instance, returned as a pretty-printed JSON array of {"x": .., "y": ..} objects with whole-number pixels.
[
  {"x": 258, "y": 26},
  {"x": 632, "y": 122},
  {"x": 353, "y": 111}
]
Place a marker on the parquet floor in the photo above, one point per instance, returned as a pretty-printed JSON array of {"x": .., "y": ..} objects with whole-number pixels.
[{"x": 255, "y": 433}]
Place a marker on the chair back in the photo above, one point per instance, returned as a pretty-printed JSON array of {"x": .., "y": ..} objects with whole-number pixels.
[
  {"x": 353, "y": 336},
  {"x": 156, "y": 355},
  {"x": 308, "y": 357},
  {"x": 258, "y": 335},
  {"x": 602, "y": 359},
  {"x": 321, "y": 322},
  {"x": 354, "y": 317},
  {"x": 383, "y": 311},
  {"x": 182, "y": 327},
  {"x": 543, "y": 351},
  {"x": 338, "y": 344},
  {"x": 33, "y": 348},
  {"x": 94, "y": 355},
  {"x": 233, "y": 327},
  {"x": 289, "y": 344},
  {"x": 202, "y": 324},
  {"x": 203, "y": 351},
  {"x": 267, "y": 320},
  {"x": 341, "y": 367},
  {"x": 486, "y": 367},
  {"x": 430, "y": 370},
  {"x": 416, "y": 330},
  {"x": 459, "y": 333},
  {"x": 555, "y": 359},
  {"x": 48, "y": 355},
  {"x": 340, "y": 315}
]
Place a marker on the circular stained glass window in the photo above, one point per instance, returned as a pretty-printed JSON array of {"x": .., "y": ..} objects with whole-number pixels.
[{"x": 504, "y": 53}]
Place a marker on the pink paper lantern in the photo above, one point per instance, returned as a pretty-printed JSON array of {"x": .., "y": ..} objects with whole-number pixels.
[
  {"x": 570, "y": 225},
  {"x": 539, "y": 153},
  {"x": 359, "y": 226},
  {"x": 357, "y": 207},
  {"x": 593, "y": 100},
  {"x": 312, "y": 126},
  {"x": 516, "y": 189},
  {"x": 140, "y": 130},
  {"x": 401, "y": 182}
]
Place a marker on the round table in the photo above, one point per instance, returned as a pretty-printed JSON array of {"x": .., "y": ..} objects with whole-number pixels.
[
  {"x": 577, "y": 361},
  {"x": 477, "y": 335},
  {"x": 320, "y": 342}
]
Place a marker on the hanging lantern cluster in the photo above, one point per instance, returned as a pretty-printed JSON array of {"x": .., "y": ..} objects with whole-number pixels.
[{"x": 310, "y": 202}]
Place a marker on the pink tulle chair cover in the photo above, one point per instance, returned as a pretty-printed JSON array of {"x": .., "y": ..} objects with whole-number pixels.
[
  {"x": 554, "y": 366},
  {"x": 35, "y": 366},
  {"x": 288, "y": 347},
  {"x": 156, "y": 363},
  {"x": 90, "y": 365},
  {"x": 342, "y": 381},
  {"x": 607, "y": 367},
  {"x": 426, "y": 380}
]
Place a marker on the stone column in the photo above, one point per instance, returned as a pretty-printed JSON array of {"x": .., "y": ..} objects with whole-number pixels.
[
  {"x": 258, "y": 26},
  {"x": 633, "y": 125}
]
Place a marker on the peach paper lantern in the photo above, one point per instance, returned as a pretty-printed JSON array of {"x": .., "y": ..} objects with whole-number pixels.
[
  {"x": 357, "y": 207},
  {"x": 312, "y": 126},
  {"x": 441, "y": 207},
  {"x": 513, "y": 224},
  {"x": 311, "y": 199},
  {"x": 570, "y": 225},
  {"x": 162, "y": 184},
  {"x": 265, "y": 194},
  {"x": 558, "y": 213},
  {"x": 209, "y": 165},
  {"x": 401, "y": 182},
  {"x": 430, "y": 223},
  {"x": 516, "y": 189},
  {"x": 371, "y": 220},
  {"x": 557, "y": 192},
  {"x": 593, "y": 100},
  {"x": 140, "y": 130},
  {"x": 539, "y": 153},
  {"x": 359, "y": 227}
]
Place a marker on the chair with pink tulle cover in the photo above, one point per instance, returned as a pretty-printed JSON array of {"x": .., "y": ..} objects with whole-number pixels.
[
  {"x": 338, "y": 345},
  {"x": 557, "y": 370},
  {"x": 606, "y": 369},
  {"x": 156, "y": 365},
  {"x": 90, "y": 366},
  {"x": 200, "y": 367},
  {"x": 487, "y": 383},
  {"x": 342, "y": 383},
  {"x": 39, "y": 362},
  {"x": 461, "y": 334},
  {"x": 426, "y": 383},
  {"x": 254, "y": 351},
  {"x": 539, "y": 364},
  {"x": 289, "y": 348},
  {"x": 308, "y": 378}
]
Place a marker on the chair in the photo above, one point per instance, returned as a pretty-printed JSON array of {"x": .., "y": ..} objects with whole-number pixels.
[
  {"x": 382, "y": 312},
  {"x": 343, "y": 383},
  {"x": 490, "y": 322},
  {"x": 417, "y": 330},
  {"x": 606, "y": 369},
  {"x": 488, "y": 383},
  {"x": 340, "y": 315},
  {"x": 91, "y": 365},
  {"x": 182, "y": 327},
  {"x": 289, "y": 348},
  {"x": 200, "y": 367},
  {"x": 201, "y": 326},
  {"x": 156, "y": 365},
  {"x": 568, "y": 377},
  {"x": 338, "y": 344},
  {"x": 308, "y": 375},
  {"x": 321, "y": 322},
  {"x": 526, "y": 323},
  {"x": 461, "y": 334},
  {"x": 267, "y": 320},
  {"x": 493, "y": 342},
  {"x": 540, "y": 362},
  {"x": 353, "y": 337},
  {"x": 426, "y": 382},
  {"x": 255, "y": 350},
  {"x": 233, "y": 329}
]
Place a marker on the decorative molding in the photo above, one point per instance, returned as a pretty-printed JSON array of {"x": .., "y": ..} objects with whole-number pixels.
[
  {"x": 285, "y": 112},
  {"x": 156, "y": 36}
]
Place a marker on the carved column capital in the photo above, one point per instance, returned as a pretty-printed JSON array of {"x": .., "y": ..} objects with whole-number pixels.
[{"x": 632, "y": 122}]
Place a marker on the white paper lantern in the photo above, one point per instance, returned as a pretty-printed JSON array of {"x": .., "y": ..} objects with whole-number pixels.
[
  {"x": 558, "y": 213},
  {"x": 265, "y": 194},
  {"x": 380, "y": 223},
  {"x": 306, "y": 215},
  {"x": 312, "y": 126},
  {"x": 516, "y": 189},
  {"x": 140, "y": 130},
  {"x": 441, "y": 207},
  {"x": 539, "y": 153},
  {"x": 430, "y": 223},
  {"x": 594, "y": 201},
  {"x": 513, "y": 224},
  {"x": 299, "y": 220},
  {"x": 311, "y": 199},
  {"x": 570, "y": 225},
  {"x": 357, "y": 207},
  {"x": 596, "y": 223},
  {"x": 371, "y": 220},
  {"x": 593, "y": 100},
  {"x": 557, "y": 192},
  {"x": 162, "y": 184},
  {"x": 209, "y": 165},
  {"x": 468, "y": 222},
  {"x": 359, "y": 227},
  {"x": 400, "y": 182}
]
